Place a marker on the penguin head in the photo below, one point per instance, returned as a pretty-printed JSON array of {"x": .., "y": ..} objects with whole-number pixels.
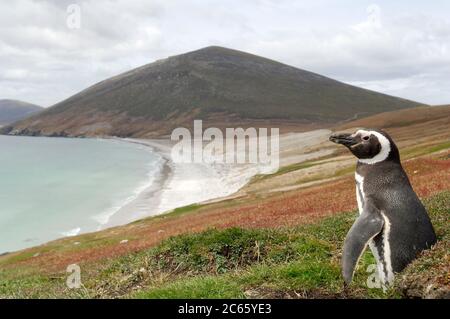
[{"x": 369, "y": 146}]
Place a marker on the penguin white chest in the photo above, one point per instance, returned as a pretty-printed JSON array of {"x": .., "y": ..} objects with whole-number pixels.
[
  {"x": 384, "y": 265},
  {"x": 359, "y": 191}
]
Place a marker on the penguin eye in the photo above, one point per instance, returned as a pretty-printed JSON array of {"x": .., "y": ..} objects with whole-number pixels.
[{"x": 366, "y": 138}]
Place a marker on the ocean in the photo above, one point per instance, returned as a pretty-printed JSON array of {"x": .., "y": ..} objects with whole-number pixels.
[{"x": 56, "y": 187}]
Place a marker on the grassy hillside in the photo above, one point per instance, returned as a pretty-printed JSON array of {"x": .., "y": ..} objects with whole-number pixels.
[
  {"x": 404, "y": 118},
  {"x": 285, "y": 244},
  {"x": 13, "y": 110},
  {"x": 292, "y": 262},
  {"x": 218, "y": 85},
  {"x": 412, "y": 126},
  {"x": 413, "y": 136}
]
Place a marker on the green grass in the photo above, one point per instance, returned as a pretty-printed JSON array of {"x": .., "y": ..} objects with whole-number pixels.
[
  {"x": 302, "y": 261},
  {"x": 423, "y": 150},
  {"x": 284, "y": 170},
  {"x": 185, "y": 209},
  {"x": 306, "y": 261},
  {"x": 320, "y": 177},
  {"x": 210, "y": 287}
]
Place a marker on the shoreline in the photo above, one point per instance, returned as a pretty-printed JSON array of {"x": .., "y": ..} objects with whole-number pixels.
[
  {"x": 182, "y": 184},
  {"x": 148, "y": 198},
  {"x": 179, "y": 184}
]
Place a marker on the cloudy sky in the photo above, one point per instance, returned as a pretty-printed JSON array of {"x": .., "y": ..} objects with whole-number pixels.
[{"x": 50, "y": 50}]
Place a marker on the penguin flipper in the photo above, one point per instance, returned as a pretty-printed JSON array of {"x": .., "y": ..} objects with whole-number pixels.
[{"x": 366, "y": 226}]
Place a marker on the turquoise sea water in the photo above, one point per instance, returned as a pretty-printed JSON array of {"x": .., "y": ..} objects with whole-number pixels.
[{"x": 54, "y": 187}]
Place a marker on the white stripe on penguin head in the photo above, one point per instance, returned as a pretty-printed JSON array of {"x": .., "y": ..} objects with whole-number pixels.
[{"x": 384, "y": 151}]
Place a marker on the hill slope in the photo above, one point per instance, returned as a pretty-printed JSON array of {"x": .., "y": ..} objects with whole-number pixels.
[
  {"x": 411, "y": 126},
  {"x": 404, "y": 118},
  {"x": 13, "y": 110},
  {"x": 214, "y": 84}
]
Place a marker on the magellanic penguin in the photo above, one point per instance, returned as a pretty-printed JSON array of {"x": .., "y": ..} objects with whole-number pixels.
[{"x": 392, "y": 220}]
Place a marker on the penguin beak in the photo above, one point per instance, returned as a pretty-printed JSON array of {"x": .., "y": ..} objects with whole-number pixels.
[{"x": 344, "y": 138}]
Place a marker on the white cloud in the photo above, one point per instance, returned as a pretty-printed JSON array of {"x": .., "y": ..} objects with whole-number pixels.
[{"x": 401, "y": 52}]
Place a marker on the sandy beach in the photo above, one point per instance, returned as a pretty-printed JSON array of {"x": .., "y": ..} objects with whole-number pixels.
[{"x": 181, "y": 184}]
